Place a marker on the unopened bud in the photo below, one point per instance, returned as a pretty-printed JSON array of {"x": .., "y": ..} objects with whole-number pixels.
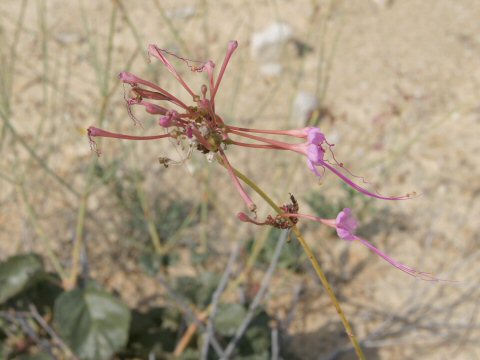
[
  {"x": 128, "y": 78},
  {"x": 243, "y": 217}
]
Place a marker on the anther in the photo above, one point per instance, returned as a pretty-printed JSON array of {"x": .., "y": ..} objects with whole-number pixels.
[{"x": 204, "y": 91}]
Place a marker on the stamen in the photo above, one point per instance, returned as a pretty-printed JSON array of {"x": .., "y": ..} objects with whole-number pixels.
[
  {"x": 358, "y": 187},
  {"x": 204, "y": 91},
  {"x": 128, "y": 104}
]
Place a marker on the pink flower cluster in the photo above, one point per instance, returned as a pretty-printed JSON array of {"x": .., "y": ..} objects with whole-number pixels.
[{"x": 206, "y": 131}]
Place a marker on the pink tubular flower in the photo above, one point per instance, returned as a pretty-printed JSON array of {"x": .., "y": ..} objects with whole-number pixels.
[
  {"x": 315, "y": 149},
  {"x": 198, "y": 124},
  {"x": 345, "y": 224},
  {"x": 206, "y": 131}
]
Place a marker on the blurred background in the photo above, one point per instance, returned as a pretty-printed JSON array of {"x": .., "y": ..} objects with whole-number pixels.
[{"x": 394, "y": 84}]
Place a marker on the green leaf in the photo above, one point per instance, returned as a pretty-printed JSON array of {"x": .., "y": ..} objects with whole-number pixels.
[
  {"x": 18, "y": 273},
  {"x": 198, "y": 290},
  {"x": 190, "y": 354},
  {"x": 257, "y": 337},
  {"x": 94, "y": 323},
  {"x": 42, "y": 294},
  {"x": 229, "y": 318},
  {"x": 38, "y": 356},
  {"x": 152, "y": 332},
  {"x": 259, "y": 356},
  {"x": 209, "y": 282},
  {"x": 151, "y": 262}
]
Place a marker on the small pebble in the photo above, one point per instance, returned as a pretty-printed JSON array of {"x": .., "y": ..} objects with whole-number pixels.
[{"x": 266, "y": 44}]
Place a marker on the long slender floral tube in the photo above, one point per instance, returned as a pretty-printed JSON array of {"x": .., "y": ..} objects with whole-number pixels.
[
  {"x": 96, "y": 132},
  {"x": 133, "y": 80},
  {"x": 346, "y": 224},
  {"x": 276, "y": 143},
  {"x": 256, "y": 146},
  {"x": 232, "y": 46},
  {"x": 298, "y": 133},
  {"x": 209, "y": 67},
  {"x": 246, "y": 198}
]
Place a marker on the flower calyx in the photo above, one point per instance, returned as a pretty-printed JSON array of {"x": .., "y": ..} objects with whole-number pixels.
[{"x": 280, "y": 221}]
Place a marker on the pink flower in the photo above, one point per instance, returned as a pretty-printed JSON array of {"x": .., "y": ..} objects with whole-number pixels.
[
  {"x": 315, "y": 149},
  {"x": 197, "y": 124},
  {"x": 168, "y": 119},
  {"x": 346, "y": 225},
  {"x": 205, "y": 130}
]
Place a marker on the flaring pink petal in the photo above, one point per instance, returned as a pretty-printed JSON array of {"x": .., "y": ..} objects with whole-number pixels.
[{"x": 315, "y": 136}]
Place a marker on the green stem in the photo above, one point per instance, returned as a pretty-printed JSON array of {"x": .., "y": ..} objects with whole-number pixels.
[
  {"x": 71, "y": 282},
  {"x": 313, "y": 261},
  {"x": 147, "y": 215},
  {"x": 46, "y": 240}
]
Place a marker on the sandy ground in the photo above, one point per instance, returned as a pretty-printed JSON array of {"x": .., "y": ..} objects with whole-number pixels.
[{"x": 401, "y": 82}]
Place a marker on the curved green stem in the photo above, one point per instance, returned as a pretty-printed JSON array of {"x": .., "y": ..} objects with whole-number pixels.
[{"x": 313, "y": 261}]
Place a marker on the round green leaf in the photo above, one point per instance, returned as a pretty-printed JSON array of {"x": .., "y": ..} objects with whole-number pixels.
[
  {"x": 94, "y": 323},
  {"x": 229, "y": 318},
  {"x": 17, "y": 273}
]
